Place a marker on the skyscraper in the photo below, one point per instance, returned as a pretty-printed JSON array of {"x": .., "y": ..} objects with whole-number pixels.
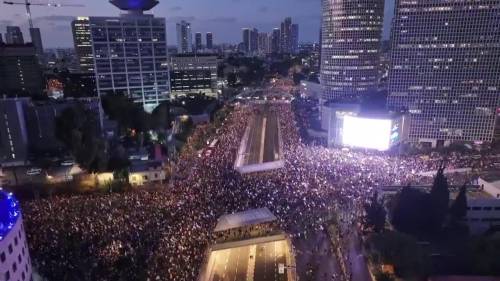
[
  {"x": 36, "y": 39},
  {"x": 250, "y": 40},
  {"x": 275, "y": 41},
  {"x": 286, "y": 36},
  {"x": 130, "y": 54},
  {"x": 1, "y": 38},
  {"x": 445, "y": 69},
  {"x": 351, "y": 32},
  {"x": 14, "y": 35},
  {"x": 294, "y": 39},
  {"x": 210, "y": 41},
  {"x": 184, "y": 38},
  {"x": 83, "y": 44},
  {"x": 198, "y": 43},
  {"x": 263, "y": 43},
  {"x": 20, "y": 71}
]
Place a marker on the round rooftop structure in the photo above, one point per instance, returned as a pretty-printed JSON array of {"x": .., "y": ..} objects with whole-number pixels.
[
  {"x": 134, "y": 5},
  {"x": 15, "y": 262}
]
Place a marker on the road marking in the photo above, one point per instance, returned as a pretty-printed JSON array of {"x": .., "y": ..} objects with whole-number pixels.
[{"x": 262, "y": 139}]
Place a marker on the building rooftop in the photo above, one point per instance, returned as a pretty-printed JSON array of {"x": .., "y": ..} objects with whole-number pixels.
[
  {"x": 9, "y": 212},
  {"x": 246, "y": 218}
]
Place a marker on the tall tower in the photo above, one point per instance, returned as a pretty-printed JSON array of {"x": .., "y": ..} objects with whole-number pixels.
[
  {"x": 351, "y": 40},
  {"x": 130, "y": 53},
  {"x": 286, "y": 36},
  {"x": 210, "y": 40},
  {"x": 275, "y": 41},
  {"x": 14, "y": 35},
  {"x": 445, "y": 68},
  {"x": 83, "y": 43},
  {"x": 184, "y": 38},
  {"x": 197, "y": 39},
  {"x": 294, "y": 39}
]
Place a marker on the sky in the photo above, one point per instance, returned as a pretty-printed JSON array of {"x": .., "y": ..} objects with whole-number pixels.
[{"x": 224, "y": 18}]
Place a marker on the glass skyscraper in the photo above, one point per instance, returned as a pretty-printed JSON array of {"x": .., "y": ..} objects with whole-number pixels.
[
  {"x": 350, "y": 47},
  {"x": 445, "y": 68}
]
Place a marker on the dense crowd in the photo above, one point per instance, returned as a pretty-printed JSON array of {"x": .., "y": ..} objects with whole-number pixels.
[{"x": 163, "y": 234}]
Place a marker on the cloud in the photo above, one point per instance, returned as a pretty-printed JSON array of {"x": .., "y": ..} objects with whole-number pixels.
[
  {"x": 263, "y": 9},
  {"x": 222, "y": 20},
  {"x": 175, "y": 8},
  {"x": 55, "y": 18},
  {"x": 180, "y": 18}
]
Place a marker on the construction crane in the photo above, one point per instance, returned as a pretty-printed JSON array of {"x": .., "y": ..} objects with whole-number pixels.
[{"x": 28, "y": 4}]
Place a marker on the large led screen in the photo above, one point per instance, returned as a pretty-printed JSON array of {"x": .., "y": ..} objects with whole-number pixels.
[{"x": 366, "y": 133}]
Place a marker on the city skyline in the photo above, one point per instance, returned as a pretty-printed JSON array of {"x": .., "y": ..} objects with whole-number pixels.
[{"x": 227, "y": 19}]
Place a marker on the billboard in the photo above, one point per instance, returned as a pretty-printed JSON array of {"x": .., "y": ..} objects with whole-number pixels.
[{"x": 368, "y": 133}]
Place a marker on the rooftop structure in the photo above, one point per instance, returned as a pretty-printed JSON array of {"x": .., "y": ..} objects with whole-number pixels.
[
  {"x": 134, "y": 5},
  {"x": 246, "y": 218}
]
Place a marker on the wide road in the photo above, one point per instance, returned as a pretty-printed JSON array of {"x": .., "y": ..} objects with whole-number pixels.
[
  {"x": 259, "y": 262},
  {"x": 263, "y": 139}
]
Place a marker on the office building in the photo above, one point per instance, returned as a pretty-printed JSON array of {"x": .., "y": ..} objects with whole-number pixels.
[
  {"x": 20, "y": 70},
  {"x": 197, "y": 39},
  {"x": 14, "y": 35},
  {"x": 263, "y": 43},
  {"x": 14, "y": 251},
  {"x": 13, "y": 133},
  {"x": 83, "y": 44},
  {"x": 294, "y": 39},
  {"x": 286, "y": 36},
  {"x": 210, "y": 41},
  {"x": 445, "y": 70},
  {"x": 193, "y": 73},
  {"x": 36, "y": 40},
  {"x": 351, "y": 35},
  {"x": 275, "y": 41},
  {"x": 250, "y": 40},
  {"x": 130, "y": 54},
  {"x": 184, "y": 38}
]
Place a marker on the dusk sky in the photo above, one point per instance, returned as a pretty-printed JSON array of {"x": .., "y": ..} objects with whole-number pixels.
[{"x": 224, "y": 18}]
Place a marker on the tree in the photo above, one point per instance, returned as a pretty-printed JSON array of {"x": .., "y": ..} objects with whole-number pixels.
[
  {"x": 458, "y": 208},
  {"x": 231, "y": 79},
  {"x": 411, "y": 211},
  {"x": 375, "y": 214},
  {"x": 439, "y": 199},
  {"x": 78, "y": 129}
]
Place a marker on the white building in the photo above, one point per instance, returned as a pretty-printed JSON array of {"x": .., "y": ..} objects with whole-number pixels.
[
  {"x": 15, "y": 262},
  {"x": 483, "y": 214},
  {"x": 130, "y": 54}
]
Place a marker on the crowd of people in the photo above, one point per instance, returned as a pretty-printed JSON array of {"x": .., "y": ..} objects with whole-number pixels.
[{"x": 163, "y": 234}]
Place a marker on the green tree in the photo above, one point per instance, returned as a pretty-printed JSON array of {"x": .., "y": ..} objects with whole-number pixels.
[
  {"x": 439, "y": 199},
  {"x": 375, "y": 214},
  {"x": 458, "y": 208},
  {"x": 411, "y": 211},
  {"x": 78, "y": 129}
]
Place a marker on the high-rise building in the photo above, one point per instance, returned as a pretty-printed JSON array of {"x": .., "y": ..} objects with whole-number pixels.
[
  {"x": 294, "y": 39},
  {"x": 36, "y": 39},
  {"x": 13, "y": 133},
  {"x": 197, "y": 40},
  {"x": 1, "y": 38},
  {"x": 445, "y": 70},
  {"x": 246, "y": 39},
  {"x": 14, "y": 35},
  {"x": 83, "y": 44},
  {"x": 275, "y": 41},
  {"x": 184, "y": 38},
  {"x": 16, "y": 262},
  {"x": 263, "y": 43},
  {"x": 250, "y": 40},
  {"x": 350, "y": 51},
  {"x": 130, "y": 54},
  {"x": 286, "y": 36},
  {"x": 20, "y": 71},
  {"x": 193, "y": 73},
  {"x": 210, "y": 40}
]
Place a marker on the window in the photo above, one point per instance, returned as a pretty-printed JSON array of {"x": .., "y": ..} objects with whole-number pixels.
[
  {"x": 7, "y": 275},
  {"x": 10, "y": 249},
  {"x": 19, "y": 258},
  {"x": 14, "y": 267},
  {"x": 15, "y": 241},
  {"x": 2, "y": 257}
]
